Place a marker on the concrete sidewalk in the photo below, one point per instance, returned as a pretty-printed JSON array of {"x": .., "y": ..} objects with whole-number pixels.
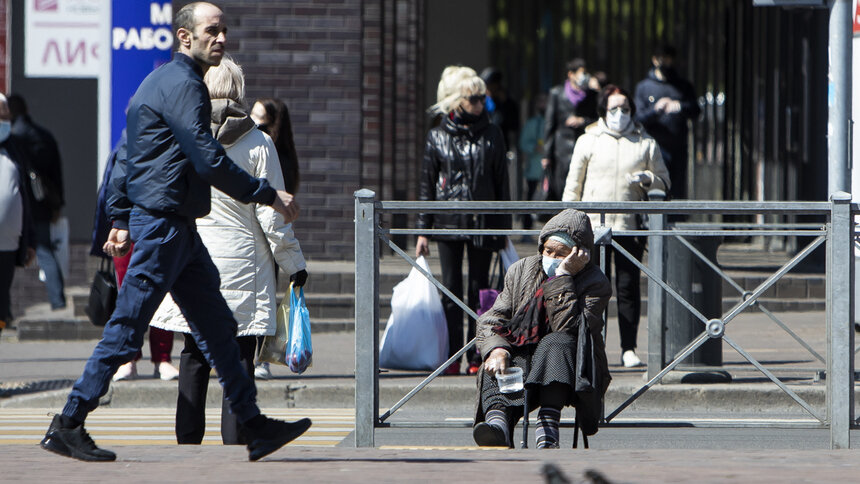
[
  {"x": 212, "y": 464},
  {"x": 38, "y": 374}
]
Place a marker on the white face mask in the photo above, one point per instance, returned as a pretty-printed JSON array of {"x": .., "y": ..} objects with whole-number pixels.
[
  {"x": 618, "y": 120},
  {"x": 550, "y": 264},
  {"x": 5, "y": 130}
]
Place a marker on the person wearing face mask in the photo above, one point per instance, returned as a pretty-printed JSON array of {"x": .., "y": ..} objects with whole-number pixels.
[
  {"x": 616, "y": 160},
  {"x": 17, "y": 236},
  {"x": 549, "y": 312},
  {"x": 664, "y": 102},
  {"x": 464, "y": 159},
  {"x": 571, "y": 107}
]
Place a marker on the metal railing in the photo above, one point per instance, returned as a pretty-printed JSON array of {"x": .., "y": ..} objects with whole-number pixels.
[{"x": 837, "y": 234}]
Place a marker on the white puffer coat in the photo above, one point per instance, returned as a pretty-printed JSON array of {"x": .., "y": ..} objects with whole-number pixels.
[
  {"x": 600, "y": 161},
  {"x": 242, "y": 238}
]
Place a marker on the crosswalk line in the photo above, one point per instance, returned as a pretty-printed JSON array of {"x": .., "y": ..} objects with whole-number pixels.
[{"x": 156, "y": 426}]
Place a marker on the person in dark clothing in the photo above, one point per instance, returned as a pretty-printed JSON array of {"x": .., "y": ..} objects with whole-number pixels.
[
  {"x": 664, "y": 102},
  {"x": 17, "y": 239},
  {"x": 572, "y": 106},
  {"x": 164, "y": 185},
  {"x": 464, "y": 159},
  {"x": 273, "y": 117},
  {"x": 503, "y": 110},
  {"x": 46, "y": 194}
]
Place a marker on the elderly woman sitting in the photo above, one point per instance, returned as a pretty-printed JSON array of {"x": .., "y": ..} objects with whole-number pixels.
[{"x": 547, "y": 320}]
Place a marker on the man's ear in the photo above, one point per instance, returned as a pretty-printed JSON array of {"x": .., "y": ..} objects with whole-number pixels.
[{"x": 184, "y": 36}]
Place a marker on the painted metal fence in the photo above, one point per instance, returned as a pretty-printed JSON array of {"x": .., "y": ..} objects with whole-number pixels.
[{"x": 836, "y": 233}]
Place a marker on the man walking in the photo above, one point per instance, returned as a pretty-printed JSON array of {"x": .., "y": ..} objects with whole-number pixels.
[
  {"x": 664, "y": 103},
  {"x": 46, "y": 194},
  {"x": 155, "y": 198}
]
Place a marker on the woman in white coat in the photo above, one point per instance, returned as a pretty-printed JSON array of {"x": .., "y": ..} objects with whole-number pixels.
[
  {"x": 616, "y": 160},
  {"x": 245, "y": 242}
]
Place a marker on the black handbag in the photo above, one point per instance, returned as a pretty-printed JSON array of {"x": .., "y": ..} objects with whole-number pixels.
[{"x": 103, "y": 291}]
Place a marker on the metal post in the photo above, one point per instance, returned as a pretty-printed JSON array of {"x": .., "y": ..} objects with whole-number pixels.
[
  {"x": 366, "y": 319},
  {"x": 656, "y": 321},
  {"x": 839, "y": 96},
  {"x": 840, "y": 322}
]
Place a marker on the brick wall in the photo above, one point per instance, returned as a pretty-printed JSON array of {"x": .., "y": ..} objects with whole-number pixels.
[{"x": 349, "y": 71}]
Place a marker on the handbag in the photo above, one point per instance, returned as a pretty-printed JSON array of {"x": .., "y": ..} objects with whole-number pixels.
[
  {"x": 102, "y": 300},
  {"x": 274, "y": 347},
  {"x": 300, "y": 351}
]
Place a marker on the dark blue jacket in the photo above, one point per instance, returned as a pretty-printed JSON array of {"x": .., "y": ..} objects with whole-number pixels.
[
  {"x": 101, "y": 221},
  {"x": 172, "y": 158},
  {"x": 669, "y": 130}
]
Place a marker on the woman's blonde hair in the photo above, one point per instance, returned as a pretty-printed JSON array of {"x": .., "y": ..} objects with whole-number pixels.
[
  {"x": 456, "y": 82},
  {"x": 226, "y": 81}
]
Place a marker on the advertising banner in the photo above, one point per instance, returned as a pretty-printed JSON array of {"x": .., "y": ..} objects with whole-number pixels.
[
  {"x": 62, "y": 38},
  {"x": 141, "y": 40}
]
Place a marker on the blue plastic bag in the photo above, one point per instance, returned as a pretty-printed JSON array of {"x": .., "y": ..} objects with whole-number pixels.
[{"x": 299, "y": 350}]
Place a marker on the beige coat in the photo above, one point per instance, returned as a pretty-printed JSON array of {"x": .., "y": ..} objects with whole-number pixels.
[
  {"x": 600, "y": 161},
  {"x": 245, "y": 241}
]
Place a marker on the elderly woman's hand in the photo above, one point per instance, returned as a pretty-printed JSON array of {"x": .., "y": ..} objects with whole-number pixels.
[
  {"x": 574, "y": 262},
  {"x": 497, "y": 362}
]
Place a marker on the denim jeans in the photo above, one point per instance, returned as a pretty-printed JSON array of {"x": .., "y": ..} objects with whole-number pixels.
[
  {"x": 47, "y": 256},
  {"x": 168, "y": 255}
]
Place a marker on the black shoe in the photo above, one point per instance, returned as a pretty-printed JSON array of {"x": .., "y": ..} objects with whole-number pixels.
[
  {"x": 487, "y": 435},
  {"x": 74, "y": 442},
  {"x": 273, "y": 435}
]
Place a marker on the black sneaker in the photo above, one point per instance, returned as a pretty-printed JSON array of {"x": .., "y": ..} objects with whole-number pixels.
[
  {"x": 487, "y": 435},
  {"x": 74, "y": 442},
  {"x": 273, "y": 435}
]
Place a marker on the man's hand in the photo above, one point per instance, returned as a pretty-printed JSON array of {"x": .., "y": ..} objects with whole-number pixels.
[
  {"x": 31, "y": 256},
  {"x": 299, "y": 278},
  {"x": 544, "y": 163},
  {"x": 497, "y": 362},
  {"x": 574, "y": 121},
  {"x": 574, "y": 262},
  {"x": 286, "y": 206},
  {"x": 422, "y": 246},
  {"x": 118, "y": 244}
]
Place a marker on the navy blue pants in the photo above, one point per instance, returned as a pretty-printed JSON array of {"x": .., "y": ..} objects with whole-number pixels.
[{"x": 168, "y": 255}]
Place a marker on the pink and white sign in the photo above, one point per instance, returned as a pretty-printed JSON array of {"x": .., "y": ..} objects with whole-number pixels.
[{"x": 63, "y": 38}]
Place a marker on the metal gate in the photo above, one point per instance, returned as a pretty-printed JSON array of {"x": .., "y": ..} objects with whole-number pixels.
[{"x": 837, "y": 233}]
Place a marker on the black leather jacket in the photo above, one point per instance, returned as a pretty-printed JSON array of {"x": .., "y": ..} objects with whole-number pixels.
[{"x": 465, "y": 163}]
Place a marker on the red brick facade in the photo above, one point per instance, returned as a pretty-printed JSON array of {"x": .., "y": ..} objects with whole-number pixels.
[{"x": 335, "y": 63}]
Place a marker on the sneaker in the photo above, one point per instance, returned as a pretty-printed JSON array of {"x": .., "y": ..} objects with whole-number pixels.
[
  {"x": 273, "y": 435},
  {"x": 75, "y": 443},
  {"x": 630, "y": 360},
  {"x": 262, "y": 371},
  {"x": 166, "y": 371},
  {"x": 487, "y": 435},
  {"x": 474, "y": 368},
  {"x": 127, "y": 371}
]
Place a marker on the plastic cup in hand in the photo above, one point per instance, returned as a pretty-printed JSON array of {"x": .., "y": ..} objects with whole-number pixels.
[{"x": 511, "y": 381}]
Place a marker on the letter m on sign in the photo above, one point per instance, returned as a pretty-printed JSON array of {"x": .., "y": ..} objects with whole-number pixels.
[{"x": 160, "y": 14}]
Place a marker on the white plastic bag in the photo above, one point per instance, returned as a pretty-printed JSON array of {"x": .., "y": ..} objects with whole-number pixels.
[
  {"x": 416, "y": 336},
  {"x": 509, "y": 254},
  {"x": 60, "y": 243}
]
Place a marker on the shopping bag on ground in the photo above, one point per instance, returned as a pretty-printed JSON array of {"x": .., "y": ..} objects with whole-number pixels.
[
  {"x": 416, "y": 336},
  {"x": 274, "y": 347},
  {"x": 299, "y": 351}
]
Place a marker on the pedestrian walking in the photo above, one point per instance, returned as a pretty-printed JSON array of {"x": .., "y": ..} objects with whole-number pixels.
[
  {"x": 664, "y": 102},
  {"x": 172, "y": 161},
  {"x": 46, "y": 193},
  {"x": 464, "y": 159},
  {"x": 571, "y": 107},
  {"x": 245, "y": 241},
  {"x": 532, "y": 147},
  {"x": 17, "y": 237},
  {"x": 616, "y": 160},
  {"x": 160, "y": 341}
]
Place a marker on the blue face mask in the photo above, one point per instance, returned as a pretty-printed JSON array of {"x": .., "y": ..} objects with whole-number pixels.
[{"x": 550, "y": 264}]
